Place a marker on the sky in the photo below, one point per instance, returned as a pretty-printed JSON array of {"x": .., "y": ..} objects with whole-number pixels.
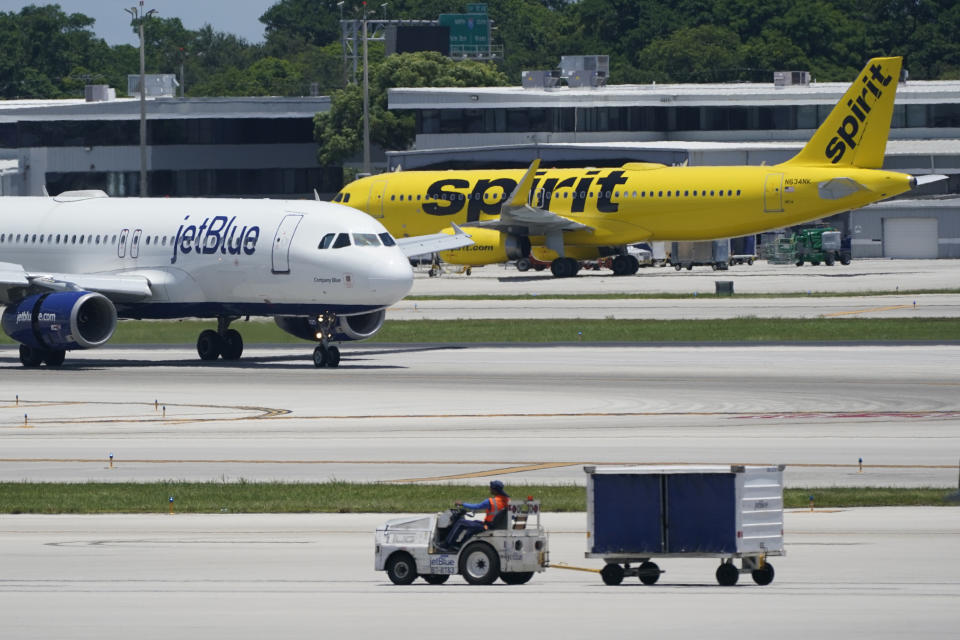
[{"x": 239, "y": 17}]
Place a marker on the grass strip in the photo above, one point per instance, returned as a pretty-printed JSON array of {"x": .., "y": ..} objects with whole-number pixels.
[
  {"x": 343, "y": 497},
  {"x": 749, "y": 330}
]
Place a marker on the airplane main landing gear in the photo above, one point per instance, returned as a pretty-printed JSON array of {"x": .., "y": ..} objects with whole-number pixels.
[
  {"x": 564, "y": 267},
  {"x": 224, "y": 342},
  {"x": 33, "y": 357}
]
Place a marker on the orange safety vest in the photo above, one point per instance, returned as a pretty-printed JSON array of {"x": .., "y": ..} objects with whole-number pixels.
[{"x": 497, "y": 504}]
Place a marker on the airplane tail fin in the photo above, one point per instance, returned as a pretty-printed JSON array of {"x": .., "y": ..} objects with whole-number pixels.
[{"x": 856, "y": 131}]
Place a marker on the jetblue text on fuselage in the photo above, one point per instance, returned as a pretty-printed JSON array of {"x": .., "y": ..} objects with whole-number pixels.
[
  {"x": 219, "y": 234},
  {"x": 442, "y": 200},
  {"x": 858, "y": 109}
]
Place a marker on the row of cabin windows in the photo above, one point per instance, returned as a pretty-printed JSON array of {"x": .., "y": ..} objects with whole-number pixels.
[
  {"x": 583, "y": 194},
  {"x": 66, "y": 238},
  {"x": 340, "y": 240}
]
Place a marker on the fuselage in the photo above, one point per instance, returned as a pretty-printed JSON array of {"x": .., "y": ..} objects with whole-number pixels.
[
  {"x": 211, "y": 257},
  {"x": 622, "y": 204}
]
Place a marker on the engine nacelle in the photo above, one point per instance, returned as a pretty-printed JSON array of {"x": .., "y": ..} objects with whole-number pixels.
[
  {"x": 346, "y": 328},
  {"x": 61, "y": 321},
  {"x": 489, "y": 247}
]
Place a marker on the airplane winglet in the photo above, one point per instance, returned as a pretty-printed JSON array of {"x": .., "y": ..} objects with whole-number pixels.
[
  {"x": 457, "y": 231},
  {"x": 521, "y": 195}
]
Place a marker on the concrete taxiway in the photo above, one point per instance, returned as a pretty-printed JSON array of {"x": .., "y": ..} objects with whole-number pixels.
[
  {"x": 865, "y": 573},
  {"x": 469, "y": 413}
]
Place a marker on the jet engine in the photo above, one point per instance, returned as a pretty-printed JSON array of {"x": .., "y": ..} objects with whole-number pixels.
[
  {"x": 346, "y": 328},
  {"x": 490, "y": 247},
  {"x": 61, "y": 321}
]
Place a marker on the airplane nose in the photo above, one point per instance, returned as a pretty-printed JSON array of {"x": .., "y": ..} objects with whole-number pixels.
[{"x": 392, "y": 279}]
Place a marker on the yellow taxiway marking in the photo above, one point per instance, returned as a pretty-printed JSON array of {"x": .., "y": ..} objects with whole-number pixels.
[
  {"x": 875, "y": 309},
  {"x": 490, "y": 472}
]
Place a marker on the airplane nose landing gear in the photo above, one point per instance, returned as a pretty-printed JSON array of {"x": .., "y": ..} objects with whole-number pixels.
[{"x": 326, "y": 355}]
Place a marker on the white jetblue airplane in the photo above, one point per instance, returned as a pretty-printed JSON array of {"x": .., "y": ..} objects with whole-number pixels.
[{"x": 71, "y": 265}]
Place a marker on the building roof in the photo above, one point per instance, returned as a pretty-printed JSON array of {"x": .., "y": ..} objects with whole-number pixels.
[
  {"x": 657, "y": 95},
  {"x": 129, "y": 108}
]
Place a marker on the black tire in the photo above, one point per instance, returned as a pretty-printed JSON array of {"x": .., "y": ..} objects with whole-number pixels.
[
  {"x": 750, "y": 261},
  {"x": 54, "y": 358},
  {"x": 209, "y": 345},
  {"x": 479, "y": 564},
  {"x": 333, "y": 356},
  {"x": 799, "y": 263},
  {"x": 815, "y": 263},
  {"x": 678, "y": 266},
  {"x": 844, "y": 261},
  {"x": 30, "y": 357},
  {"x": 401, "y": 568},
  {"x": 763, "y": 576},
  {"x": 539, "y": 267},
  {"x": 689, "y": 267},
  {"x": 828, "y": 261},
  {"x": 727, "y": 574},
  {"x": 523, "y": 264},
  {"x": 633, "y": 265},
  {"x": 232, "y": 346},
  {"x": 435, "y": 578},
  {"x": 620, "y": 266},
  {"x": 320, "y": 357},
  {"x": 649, "y": 573},
  {"x": 612, "y": 574},
  {"x": 522, "y": 577}
]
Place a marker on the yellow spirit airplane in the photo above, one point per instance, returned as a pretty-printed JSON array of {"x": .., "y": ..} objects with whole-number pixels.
[{"x": 568, "y": 214}]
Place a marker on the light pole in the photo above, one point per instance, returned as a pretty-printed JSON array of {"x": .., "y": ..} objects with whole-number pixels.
[
  {"x": 384, "y": 7},
  {"x": 366, "y": 97},
  {"x": 141, "y": 16}
]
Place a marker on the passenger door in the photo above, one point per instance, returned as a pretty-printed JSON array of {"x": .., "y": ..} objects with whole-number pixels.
[
  {"x": 376, "y": 202},
  {"x": 281, "y": 242},
  {"x": 773, "y": 193}
]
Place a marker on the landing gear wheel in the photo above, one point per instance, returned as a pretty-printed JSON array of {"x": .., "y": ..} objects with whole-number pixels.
[
  {"x": 326, "y": 357},
  {"x": 523, "y": 264},
  {"x": 333, "y": 356},
  {"x": 727, "y": 574},
  {"x": 522, "y": 577},
  {"x": 30, "y": 357},
  {"x": 612, "y": 574},
  {"x": 621, "y": 265},
  {"x": 479, "y": 564},
  {"x": 401, "y": 569},
  {"x": 232, "y": 345},
  {"x": 320, "y": 357},
  {"x": 649, "y": 573},
  {"x": 763, "y": 576},
  {"x": 435, "y": 578},
  {"x": 209, "y": 345},
  {"x": 54, "y": 358}
]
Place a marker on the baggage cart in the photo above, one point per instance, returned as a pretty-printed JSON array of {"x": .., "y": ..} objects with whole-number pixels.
[{"x": 636, "y": 514}]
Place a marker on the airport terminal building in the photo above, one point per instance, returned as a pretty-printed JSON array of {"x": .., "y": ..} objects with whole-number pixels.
[
  {"x": 714, "y": 124},
  {"x": 234, "y": 147}
]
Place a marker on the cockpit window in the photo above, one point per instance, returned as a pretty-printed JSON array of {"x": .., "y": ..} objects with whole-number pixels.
[
  {"x": 343, "y": 240},
  {"x": 387, "y": 239},
  {"x": 366, "y": 240},
  {"x": 338, "y": 197},
  {"x": 326, "y": 241},
  {"x": 346, "y": 197}
]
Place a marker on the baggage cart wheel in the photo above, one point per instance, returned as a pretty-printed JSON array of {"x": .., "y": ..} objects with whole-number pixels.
[
  {"x": 612, "y": 574},
  {"x": 435, "y": 578},
  {"x": 764, "y": 575},
  {"x": 401, "y": 568},
  {"x": 521, "y": 577},
  {"x": 648, "y": 572},
  {"x": 727, "y": 574},
  {"x": 480, "y": 564}
]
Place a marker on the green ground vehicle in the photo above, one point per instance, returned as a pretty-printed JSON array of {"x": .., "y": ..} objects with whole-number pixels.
[{"x": 819, "y": 244}]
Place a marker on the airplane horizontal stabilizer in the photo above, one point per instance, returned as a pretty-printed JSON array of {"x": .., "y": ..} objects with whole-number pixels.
[
  {"x": 837, "y": 188},
  {"x": 927, "y": 179}
]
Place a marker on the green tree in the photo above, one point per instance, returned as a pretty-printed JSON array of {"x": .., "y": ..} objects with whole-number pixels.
[
  {"x": 340, "y": 130},
  {"x": 694, "y": 54}
]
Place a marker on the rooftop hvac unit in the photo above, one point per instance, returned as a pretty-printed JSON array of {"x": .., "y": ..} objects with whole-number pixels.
[
  {"x": 159, "y": 85},
  {"x": 574, "y": 64},
  {"x": 587, "y": 79},
  {"x": 789, "y": 78},
  {"x": 99, "y": 93},
  {"x": 540, "y": 79}
]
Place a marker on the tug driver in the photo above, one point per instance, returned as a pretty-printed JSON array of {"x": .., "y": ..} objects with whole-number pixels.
[{"x": 493, "y": 505}]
